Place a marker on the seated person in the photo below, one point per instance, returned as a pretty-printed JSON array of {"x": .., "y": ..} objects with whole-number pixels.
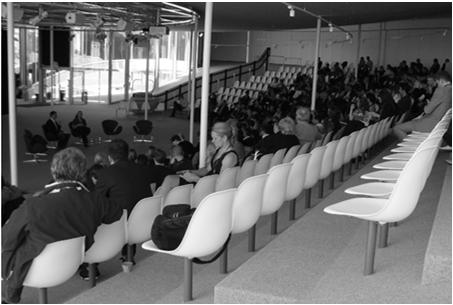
[
  {"x": 53, "y": 131},
  {"x": 12, "y": 198},
  {"x": 224, "y": 156},
  {"x": 102, "y": 159},
  {"x": 177, "y": 161},
  {"x": 79, "y": 128},
  {"x": 282, "y": 138},
  {"x": 187, "y": 147},
  {"x": 159, "y": 170},
  {"x": 178, "y": 105},
  {"x": 304, "y": 130},
  {"x": 64, "y": 210}
]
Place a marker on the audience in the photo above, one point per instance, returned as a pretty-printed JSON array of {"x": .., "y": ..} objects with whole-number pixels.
[{"x": 64, "y": 210}]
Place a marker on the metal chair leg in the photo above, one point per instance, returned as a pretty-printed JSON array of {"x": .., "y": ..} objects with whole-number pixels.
[
  {"x": 307, "y": 198},
  {"x": 342, "y": 173},
  {"x": 370, "y": 248},
  {"x": 350, "y": 168},
  {"x": 188, "y": 279},
  {"x": 42, "y": 295},
  {"x": 274, "y": 220},
  {"x": 383, "y": 235},
  {"x": 224, "y": 261},
  {"x": 252, "y": 234},
  {"x": 92, "y": 274},
  {"x": 321, "y": 188},
  {"x": 292, "y": 210},
  {"x": 332, "y": 180}
]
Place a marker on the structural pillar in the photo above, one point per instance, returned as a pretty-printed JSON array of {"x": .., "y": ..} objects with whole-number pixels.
[
  {"x": 315, "y": 68},
  {"x": 247, "y": 48},
  {"x": 189, "y": 83},
  {"x": 51, "y": 66},
  {"x": 193, "y": 90},
  {"x": 205, "y": 83},
  {"x": 71, "y": 70},
  {"x": 12, "y": 97},
  {"x": 357, "y": 59},
  {"x": 147, "y": 78},
  {"x": 378, "y": 63},
  {"x": 23, "y": 62},
  {"x": 384, "y": 46},
  {"x": 127, "y": 64},
  {"x": 110, "y": 75}
]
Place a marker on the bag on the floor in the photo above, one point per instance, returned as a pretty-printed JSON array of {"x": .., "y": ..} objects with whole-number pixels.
[{"x": 169, "y": 228}]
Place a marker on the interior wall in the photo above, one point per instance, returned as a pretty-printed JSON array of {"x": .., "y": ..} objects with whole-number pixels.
[{"x": 402, "y": 40}]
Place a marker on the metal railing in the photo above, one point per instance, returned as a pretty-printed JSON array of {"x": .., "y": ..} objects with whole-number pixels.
[{"x": 218, "y": 79}]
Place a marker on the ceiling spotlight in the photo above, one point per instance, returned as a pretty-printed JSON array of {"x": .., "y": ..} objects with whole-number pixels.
[
  {"x": 330, "y": 27},
  {"x": 292, "y": 12},
  {"x": 200, "y": 34}
]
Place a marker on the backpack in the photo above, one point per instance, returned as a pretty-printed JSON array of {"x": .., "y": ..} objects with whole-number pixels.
[{"x": 169, "y": 228}]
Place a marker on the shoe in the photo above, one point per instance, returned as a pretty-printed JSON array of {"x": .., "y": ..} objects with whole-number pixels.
[
  {"x": 445, "y": 148},
  {"x": 123, "y": 259},
  {"x": 85, "y": 274}
]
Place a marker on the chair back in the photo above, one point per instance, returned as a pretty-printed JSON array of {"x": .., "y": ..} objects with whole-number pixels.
[
  {"x": 209, "y": 227},
  {"x": 314, "y": 166},
  {"x": 178, "y": 195},
  {"x": 315, "y": 144},
  {"x": 28, "y": 140},
  {"x": 350, "y": 147},
  {"x": 275, "y": 189},
  {"x": 263, "y": 164},
  {"x": 141, "y": 219},
  {"x": 408, "y": 187},
  {"x": 339, "y": 133},
  {"x": 327, "y": 159},
  {"x": 109, "y": 125},
  {"x": 204, "y": 187},
  {"x": 56, "y": 263},
  {"x": 367, "y": 134},
  {"x": 247, "y": 203},
  {"x": 327, "y": 138},
  {"x": 169, "y": 182},
  {"x": 247, "y": 170},
  {"x": 144, "y": 126},
  {"x": 108, "y": 241},
  {"x": 339, "y": 153},
  {"x": 304, "y": 148},
  {"x": 296, "y": 176},
  {"x": 357, "y": 149},
  {"x": 227, "y": 179},
  {"x": 291, "y": 153},
  {"x": 374, "y": 133},
  {"x": 277, "y": 158}
]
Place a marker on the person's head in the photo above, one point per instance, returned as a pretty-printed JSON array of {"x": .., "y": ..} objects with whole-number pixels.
[
  {"x": 118, "y": 150},
  {"x": 159, "y": 156},
  {"x": 93, "y": 173},
  {"x": 142, "y": 159},
  {"x": 176, "y": 139},
  {"x": 267, "y": 127},
  {"x": 177, "y": 152},
  {"x": 286, "y": 126},
  {"x": 53, "y": 114},
  {"x": 443, "y": 78},
  {"x": 221, "y": 134},
  {"x": 302, "y": 114},
  {"x": 132, "y": 155},
  {"x": 101, "y": 158},
  {"x": 79, "y": 114},
  {"x": 69, "y": 164}
]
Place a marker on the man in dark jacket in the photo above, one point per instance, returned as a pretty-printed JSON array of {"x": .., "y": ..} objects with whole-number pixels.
[
  {"x": 64, "y": 210},
  {"x": 53, "y": 131}
]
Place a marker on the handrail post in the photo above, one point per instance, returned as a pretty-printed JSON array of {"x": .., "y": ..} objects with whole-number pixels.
[
  {"x": 225, "y": 78},
  {"x": 253, "y": 69},
  {"x": 240, "y": 73}
]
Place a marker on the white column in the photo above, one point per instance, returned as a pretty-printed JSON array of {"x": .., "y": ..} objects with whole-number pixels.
[
  {"x": 205, "y": 83},
  {"x": 189, "y": 82},
  {"x": 384, "y": 47},
  {"x": 247, "y": 48},
  {"x": 156, "y": 79},
  {"x": 315, "y": 67},
  {"x": 23, "y": 62},
  {"x": 12, "y": 97},
  {"x": 71, "y": 69},
  {"x": 127, "y": 71},
  {"x": 359, "y": 41},
  {"x": 193, "y": 91},
  {"x": 175, "y": 47},
  {"x": 378, "y": 60},
  {"x": 110, "y": 75},
  {"x": 147, "y": 78},
  {"x": 51, "y": 65}
]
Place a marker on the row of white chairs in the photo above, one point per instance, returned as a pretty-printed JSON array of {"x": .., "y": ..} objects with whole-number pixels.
[
  {"x": 291, "y": 69},
  {"x": 226, "y": 203},
  {"x": 401, "y": 180}
]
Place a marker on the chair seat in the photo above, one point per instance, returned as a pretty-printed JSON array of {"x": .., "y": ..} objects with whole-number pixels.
[
  {"x": 383, "y": 175},
  {"x": 404, "y": 149},
  {"x": 409, "y": 143},
  {"x": 398, "y": 156},
  {"x": 363, "y": 207},
  {"x": 150, "y": 246},
  {"x": 419, "y": 133},
  {"x": 373, "y": 189},
  {"x": 414, "y": 140},
  {"x": 395, "y": 165}
]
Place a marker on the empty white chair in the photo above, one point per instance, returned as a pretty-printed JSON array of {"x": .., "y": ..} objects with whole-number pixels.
[
  {"x": 349, "y": 152},
  {"x": 272, "y": 74},
  {"x": 247, "y": 170},
  {"x": 238, "y": 92},
  {"x": 293, "y": 70},
  {"x": 382, "y": 175},
  {"x": 267, "y": 73},
  {"x": 304, "y": 148},
  {"x": 287, "y": 69},
  {"x": 169, "y": 182},
  {"x": 255, "y": 95},
  {"x": 141, "y": 220},
  {"x": 207, "y": 231},
  {"x": 327, "y": 165},
  {"x": 56, "y": 264},
  {"x": 259, "y": 87},
  {"x": 226, "y": 92},
  {"x": 178, "y": 195},
  {"x": 296, "y": 182},
  {"x": 236, "y": 84},
  {"x": 108, "y": 241},
  {"x": 291, "y": 153},
  {"x": 252, "y": 79},
  {"x": 265, "y": 87},
  {"x": 397, "y": 207},
  {"x": 277, "y": 158},
  {"x": 227, "y": 179},
  {"x": 246, "y": 211},
  {"x": 357, "y": 149},
  {"x": 263, "y": 164},
  {"x": 232, "y": 92},
  {"x": 275, "y": 192},
  {"x": 313, "y": 172},
  {"x": 253, "y": 87},
  {"x": 248, "y": 85},
  {"x": 258, "y": 79},
  {"x": 242, "y": 85},
  {"x": 338, "y": 159},
  {"x": 204, "y": 187},
  {"x": 220, "y": 91},
  {"x": 263, "y": 80},
  {"x": 327, "y": 138}
]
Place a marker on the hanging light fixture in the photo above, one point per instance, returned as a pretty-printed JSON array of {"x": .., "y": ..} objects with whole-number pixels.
[
  {"x": 292, "y": 12},
  {"x": 330, "y": 27}
]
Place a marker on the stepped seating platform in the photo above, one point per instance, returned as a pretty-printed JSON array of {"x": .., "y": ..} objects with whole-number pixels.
[
  {"x": 319, "y": 259},
  {"x": 316, "y": 259}
]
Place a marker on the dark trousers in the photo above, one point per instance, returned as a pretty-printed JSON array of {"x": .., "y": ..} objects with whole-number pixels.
[{"x": 82, "y": 132}]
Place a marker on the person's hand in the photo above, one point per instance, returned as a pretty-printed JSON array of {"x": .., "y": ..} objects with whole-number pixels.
[{"x": 190, "y": 177}]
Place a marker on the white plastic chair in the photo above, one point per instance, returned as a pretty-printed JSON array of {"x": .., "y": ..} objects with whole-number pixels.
[
  {"x": 227, "y": 179},
  {"x": 169, "y": 182},
  {"x": 246, "y": 212},
  {"x": 304, "y": 148},
  {"x": 338, "y": 159},
  {"x": 178, "y": 195},
  {"x": 296, "y": 182},
  {"x": 327, "y": 165},
  {"x": 275, "y": 192},
  {"x": 313, "y": 172},
  {"x": 108, "y": 241},
  {"x": 327, "y": 138},
  {"x": 277, "y": 158},
  {"x": 349, "y": 152},
  {"x": 291, "y": 153},
  {"x": 204, "y": 187},
  {"x": 56, "y": 264},
  {"x": 397, "y": 207},
  {"x": 247, "y": 170},
  {"x": 382, "y": 175},
  {"x": 263, "y": 164},
  {"x": 207, "y": 231},
  {"x": 358, "y": 144},
  {"x": 141, "y": 220}
]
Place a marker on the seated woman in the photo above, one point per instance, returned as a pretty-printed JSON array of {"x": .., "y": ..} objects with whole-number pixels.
[
  {"x": 79, "y": 128},
  {"x": 224, "y": 156}
]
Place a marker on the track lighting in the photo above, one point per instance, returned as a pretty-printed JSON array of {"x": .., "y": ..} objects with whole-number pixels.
[
  {"x": 330, "y": 27},
  {"x": 292, "y": 12}
]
